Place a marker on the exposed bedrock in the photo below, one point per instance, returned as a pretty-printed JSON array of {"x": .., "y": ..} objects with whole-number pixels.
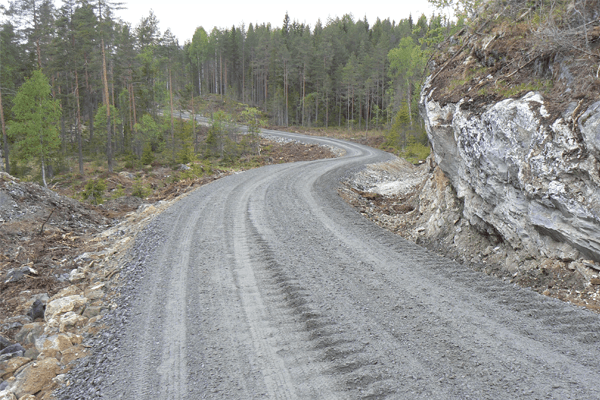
[{"x": 529, "y": 179}]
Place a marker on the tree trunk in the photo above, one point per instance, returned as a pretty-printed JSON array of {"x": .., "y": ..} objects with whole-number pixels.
[
  {"x": 317, "y": 107},
  {"x": 194, "y": 126},
  {"x": 409, "y": 105},
  {"x": 286, "y": 93},
  {"x": 4, "y": 138},
  {"x": 171, "y": 101},
  {"x": 367, "y": 113},
  {"x": 303, "y": 94},
  {"x": 43, "y": 161},
  {"x": 107, "y": 102},
  {"x": 199, "y": 80},
  {"x": 221, "y": 69},
  {"x": 39, "y": 53},
  {"x": 348, "y": 110},
  {"x": 326, "y": 109},
  {"x": 130, "y": 92}
]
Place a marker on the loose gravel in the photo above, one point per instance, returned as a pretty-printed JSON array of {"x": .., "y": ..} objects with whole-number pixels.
[{"x": 265, "y": 284}]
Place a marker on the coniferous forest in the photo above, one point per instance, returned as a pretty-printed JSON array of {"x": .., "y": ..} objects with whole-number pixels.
[{"x": 114, "y": 87}]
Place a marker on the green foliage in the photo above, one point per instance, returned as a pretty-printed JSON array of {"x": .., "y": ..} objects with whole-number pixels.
[
  {"x": 409, "y": 142},
  {"x": 507, "y": 91},
  {"x": 466, "y": 8},
  {"x": 131, "y": 161},
  {"x": 147, "y": 154},
  {"x": 119, "y": 191},
  {"x": 34, "y": 128},
  {"x": 415, "y": 151},
  {"x": 407, "y": 60},
  {"x": 220, "y": 132},
  {"x": 395, "y": 137},
  {"x": 94, "y": 191},
  {"x": 100, "y": 120},
  {"x": 184, "y": 142},
  {"x": 140, "y": 190},
  {"x": 147, "y": 131}
]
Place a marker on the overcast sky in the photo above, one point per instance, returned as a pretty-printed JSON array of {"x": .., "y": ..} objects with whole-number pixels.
[{"x": 183, "y": 16}]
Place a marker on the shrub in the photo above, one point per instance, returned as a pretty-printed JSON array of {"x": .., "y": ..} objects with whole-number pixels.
[
  {"x": 118, "y": 192},
  {"x": 139, "y": 190},
  {"x": 94, "y": 191},
  {"x": 415, "y": 151},
  {"x": 147, "y": 155}
]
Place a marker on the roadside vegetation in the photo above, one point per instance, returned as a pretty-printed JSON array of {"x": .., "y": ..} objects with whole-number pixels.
[{"x": 509, "y": 48}]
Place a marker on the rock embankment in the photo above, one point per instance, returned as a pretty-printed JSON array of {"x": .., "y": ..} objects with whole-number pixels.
[
  {"x": 47, "y": 315},
  {"x": 420, "y": 204},
  {"x": 533, "y": 183},
  {"x": 513, "y": 118}
]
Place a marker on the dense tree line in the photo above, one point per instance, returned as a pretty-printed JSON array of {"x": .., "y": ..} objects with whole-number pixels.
[
  {"x": 118, "y": 87},
  {"x": 344, "y": 72}
]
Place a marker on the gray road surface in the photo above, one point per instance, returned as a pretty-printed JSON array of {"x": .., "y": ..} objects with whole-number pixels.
[{"x": 266, "y": 285}]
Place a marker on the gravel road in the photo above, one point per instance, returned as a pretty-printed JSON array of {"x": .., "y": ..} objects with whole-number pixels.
[{"x": 265, "y": 284}]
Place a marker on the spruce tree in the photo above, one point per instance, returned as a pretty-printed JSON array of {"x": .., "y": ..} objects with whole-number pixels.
[{"x": 36, "y": 116}]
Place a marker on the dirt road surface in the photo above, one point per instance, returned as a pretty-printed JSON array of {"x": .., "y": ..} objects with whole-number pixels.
[{"x": 265, "y": 284}]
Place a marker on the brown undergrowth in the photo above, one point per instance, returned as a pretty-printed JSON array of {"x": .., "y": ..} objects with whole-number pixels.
[{"x": 513, "y": 48}]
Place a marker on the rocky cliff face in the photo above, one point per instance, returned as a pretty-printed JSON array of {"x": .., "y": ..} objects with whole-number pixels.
[
  {"x": 531, "y": 180},
  {"x": 512, "y": 111}
]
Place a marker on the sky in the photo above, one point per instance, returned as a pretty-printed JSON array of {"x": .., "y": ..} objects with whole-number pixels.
[{"x": 184, "y": 16}]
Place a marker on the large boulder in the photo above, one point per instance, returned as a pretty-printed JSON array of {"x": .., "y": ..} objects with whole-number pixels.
[
  {"x": 64, "y": 308},
  {"x": 532, "y": 182},
  {"x": 30, "y": 332},
  {"x": 53, "y": 346},
  {"x": 34, "y": 377}
]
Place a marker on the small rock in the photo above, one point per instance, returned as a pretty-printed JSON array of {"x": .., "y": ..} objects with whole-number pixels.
[
  {"x": 127, "y": 175},
  {"x": 73, "y": 353},
  {"x": 94, "y": 293},
  {"x": 32, "y": 353},
  {"x": 7, "y": 395},
  {"x": 76, "y": 276},
  {"x": 10, "y": 366},
  {"x": 37, "y": 310},
  {"x": 16, "y": 274},
  {"x": 591, "y": 264},
  {"x": 34, "y": 377},
  {"x": 65, "y": 304},
  {"x": 4, "y": 342},
  {"x": 13, "y": 349},
  {"x": 40, "y": 296},
  {"x": 68, "y": 291},
  {"x": 49, "y": 346},
  {"x": 595, "y": 281},
  {"x": 30, "y": 332},
  {"x": 91, "y": 312},
  {"x": 60, "y": 379},
  {"x": 71, "y": 320}
]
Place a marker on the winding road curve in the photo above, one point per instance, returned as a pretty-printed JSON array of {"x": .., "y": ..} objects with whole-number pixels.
[{"x": 267, "y": 285}]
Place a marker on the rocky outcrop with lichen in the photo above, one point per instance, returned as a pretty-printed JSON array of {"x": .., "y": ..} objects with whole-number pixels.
[
  {"x": 515, "y": 126},
  {"x": 534, "y": 184}
]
